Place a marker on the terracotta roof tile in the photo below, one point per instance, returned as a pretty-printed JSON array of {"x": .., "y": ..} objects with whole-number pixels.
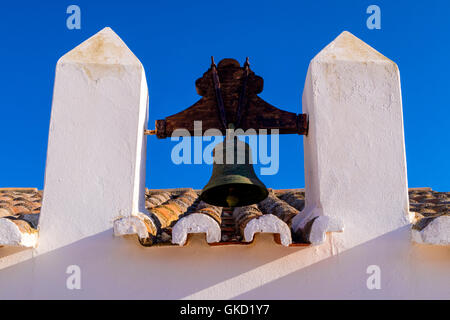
[
  {"x": 243, "y": 215},
  {"x": 166, "y": 207},
  {"x": 428, "y": 205},
  {"x": 212, "y": 211},
  {"x": 274, "y": 205},
  {"x": 250, "y": 220},
  {"x": 199, "y": 218},
  {"x": 294, "y": 198}
]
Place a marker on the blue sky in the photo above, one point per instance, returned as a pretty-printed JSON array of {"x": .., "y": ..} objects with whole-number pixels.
[{"x": 175, "y": 39}]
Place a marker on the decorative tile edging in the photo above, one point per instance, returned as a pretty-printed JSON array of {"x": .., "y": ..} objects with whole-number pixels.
[
  {"x": 250, "y": 220},
  {"x": 437, "y": 232},
  {"x": 17, "y": 233}
]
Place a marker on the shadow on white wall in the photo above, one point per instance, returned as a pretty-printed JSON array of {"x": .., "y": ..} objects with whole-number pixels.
[{"x": 117, "y": 268}]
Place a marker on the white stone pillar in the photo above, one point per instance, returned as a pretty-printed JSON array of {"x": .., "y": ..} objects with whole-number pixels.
[
  {"x": 355, "y": 167},
  {"x": 95, "y": 169}
]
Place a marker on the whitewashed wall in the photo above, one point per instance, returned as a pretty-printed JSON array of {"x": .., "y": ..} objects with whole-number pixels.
[
  {"x": 95, "y": 169},
  {"x": 118, "y": 267},
  {"x": 121, "y": 268}
]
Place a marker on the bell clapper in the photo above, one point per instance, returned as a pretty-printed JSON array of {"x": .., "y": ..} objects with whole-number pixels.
[
  {"x": 232, "y": 200},
  {"x": 230, "y": 132}
]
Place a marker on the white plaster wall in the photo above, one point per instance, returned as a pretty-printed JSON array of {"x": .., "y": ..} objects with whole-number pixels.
[
  {"x": 355, "y": 165},
  {"x": 121, "y": 268},
  {"x": 95, "y": 169}
]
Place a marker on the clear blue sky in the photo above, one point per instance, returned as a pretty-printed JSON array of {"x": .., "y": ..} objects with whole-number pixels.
[{"x": 175, "y": 39}]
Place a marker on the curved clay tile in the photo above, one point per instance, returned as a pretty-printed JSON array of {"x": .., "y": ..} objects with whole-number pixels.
[
  {"x": 153, "y": 200},
  {"x": 149, "y": 225},
  {"x": 428, "y": 205},
  {"x": 273, "y": 205},
  {"x": 210, "y": 210},
  {"x": 295, "y": 199},
  {"x": 6, "y": 210},
  {"x": 172, "y": 209},
  {"x": 15, "y": 232},
  {"x": 204, "y": 219},
  {"x": 250, "y": 220},
  {"x": 18, "y": 225},
  {"x": 243, "y": 215}
]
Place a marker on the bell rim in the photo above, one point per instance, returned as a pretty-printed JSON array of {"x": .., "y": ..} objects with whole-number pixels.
[{"x": 264, "y": 192}]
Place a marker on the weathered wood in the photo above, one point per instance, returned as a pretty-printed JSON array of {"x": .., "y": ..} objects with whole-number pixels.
[
  {"x": 149, "y": 132},
  {"x": 258, "y": 114}
]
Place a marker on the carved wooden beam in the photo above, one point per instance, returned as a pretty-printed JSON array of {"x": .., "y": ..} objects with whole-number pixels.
[{"x": 257, "y": 113}]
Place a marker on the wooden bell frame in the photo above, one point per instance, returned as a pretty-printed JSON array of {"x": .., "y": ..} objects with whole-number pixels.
[{"x": 230, "y": 96}]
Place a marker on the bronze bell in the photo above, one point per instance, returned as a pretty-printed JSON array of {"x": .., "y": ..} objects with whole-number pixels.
[{"x": 233, "y": 182}]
